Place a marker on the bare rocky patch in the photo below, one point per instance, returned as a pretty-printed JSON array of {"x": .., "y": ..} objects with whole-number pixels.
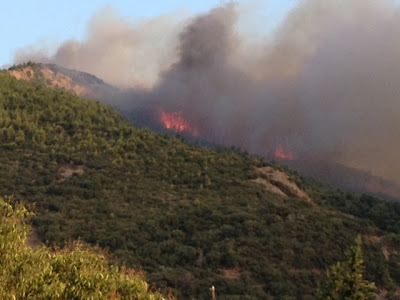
[
  {"x": 278, "y": 182},
  {"x": 51, "y": 79},
  {"x": 233, "y": 273},
  {"x": 67, "y": 171},
  {"x": 59, "y": 80},
  {"x": 23, "y": 74}
]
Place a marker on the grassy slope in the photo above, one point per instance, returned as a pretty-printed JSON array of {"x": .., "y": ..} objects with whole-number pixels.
[{"x": 186, "y": 214}]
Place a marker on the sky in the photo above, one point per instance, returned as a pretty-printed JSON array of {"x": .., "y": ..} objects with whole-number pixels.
[{"x": 50, "y": 22}]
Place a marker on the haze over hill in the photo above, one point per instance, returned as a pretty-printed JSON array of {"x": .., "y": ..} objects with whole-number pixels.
[{"x": 324, "y": 85}]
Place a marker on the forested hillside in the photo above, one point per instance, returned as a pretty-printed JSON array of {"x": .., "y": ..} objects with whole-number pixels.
[
  {"x": 75, "y": 272},
  {"x": 190, "y": 216}
]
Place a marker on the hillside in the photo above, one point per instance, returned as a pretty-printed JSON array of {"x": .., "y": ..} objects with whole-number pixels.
[
  {"x": 147, "y": 114},
  {"x": 190, "y": 216},
  {"x": 79, "y": 83},
  {"x": 75, "y": 272}
]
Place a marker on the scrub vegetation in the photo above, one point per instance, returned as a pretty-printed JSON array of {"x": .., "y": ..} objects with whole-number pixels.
[{"x": 191, "y": 217}]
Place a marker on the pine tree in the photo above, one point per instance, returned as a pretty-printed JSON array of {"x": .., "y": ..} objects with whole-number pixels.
[
  {"x": 345, "y": 280},
  {"x": 10, "y": 133},
  {"x": 20, "y": 137},
  {"x": 40, "y": 136}
]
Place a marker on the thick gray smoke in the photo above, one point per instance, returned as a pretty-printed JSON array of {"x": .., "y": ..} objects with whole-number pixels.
[
  {"x": 122, "y": 52},
  {"x": 325, "y": 85}
]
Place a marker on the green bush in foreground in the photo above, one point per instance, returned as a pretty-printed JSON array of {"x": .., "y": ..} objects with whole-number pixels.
[
  {"x": 345, "y": 280},
  {"x": 76, "y": 272}
]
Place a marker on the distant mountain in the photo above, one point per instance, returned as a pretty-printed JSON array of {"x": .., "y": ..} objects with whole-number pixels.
[{"x": 188, "y": 215}]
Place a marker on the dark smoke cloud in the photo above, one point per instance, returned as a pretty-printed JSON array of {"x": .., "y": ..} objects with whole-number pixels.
[{"x": 325, "y": 84}]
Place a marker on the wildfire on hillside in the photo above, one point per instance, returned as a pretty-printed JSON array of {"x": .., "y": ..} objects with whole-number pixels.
[
  {"x": 282, "y": 154},
  {"x": 175, "y": 121}
]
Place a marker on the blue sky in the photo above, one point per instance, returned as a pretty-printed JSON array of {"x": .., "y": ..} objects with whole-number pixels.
[{"x": 29, "y": 22}]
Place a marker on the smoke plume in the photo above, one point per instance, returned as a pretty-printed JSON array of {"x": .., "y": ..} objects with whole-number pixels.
[
  {"x": 122, "y": 52},
  {"x": 325, "y": 84}
]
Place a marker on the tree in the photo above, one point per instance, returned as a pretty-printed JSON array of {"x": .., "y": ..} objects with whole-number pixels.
[
  {"x": 20, "y": 137},
  {"x": 345, "y": 280},
  {"x": 76, "y": 272},
  {"x": 40, "y": 136},
  {"x": 10, "y": 133}
]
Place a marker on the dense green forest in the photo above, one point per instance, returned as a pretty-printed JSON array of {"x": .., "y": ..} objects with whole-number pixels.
[
  {"x": 189, "y": 216},
  {"x": 74, "y": 272}
]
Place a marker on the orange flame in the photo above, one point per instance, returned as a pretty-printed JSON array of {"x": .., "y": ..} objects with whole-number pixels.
[
  {"x": 280, "y": 153},
  {"x": 176, "y": 122}
]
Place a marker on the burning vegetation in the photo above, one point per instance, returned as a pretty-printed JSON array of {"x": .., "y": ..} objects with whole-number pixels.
[
  {"x": 325, "y": 76},
  {"x": 176, "y": 122},
  {"x": 282, "y": 154}
]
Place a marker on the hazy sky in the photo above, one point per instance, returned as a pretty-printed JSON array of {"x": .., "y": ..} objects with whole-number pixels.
[{"x": 50, "y": 22}]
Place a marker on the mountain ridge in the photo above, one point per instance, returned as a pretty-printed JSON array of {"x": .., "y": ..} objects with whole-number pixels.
[
  {"x": 81, "y": 83},
  {"x": 88, "y": 85}
]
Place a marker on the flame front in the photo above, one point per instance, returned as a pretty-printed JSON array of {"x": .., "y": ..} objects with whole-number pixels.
[
  {"x": 280, "y": 153},
  {"x": 175, "y": 121}
]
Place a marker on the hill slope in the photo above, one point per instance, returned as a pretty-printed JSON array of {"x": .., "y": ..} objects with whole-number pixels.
[
  {"x": 75, "y": 272},
  {"x": 147, "y": 115},
  {"x": 190, "y": 216},
  {"x": 79, "y": 83}
]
